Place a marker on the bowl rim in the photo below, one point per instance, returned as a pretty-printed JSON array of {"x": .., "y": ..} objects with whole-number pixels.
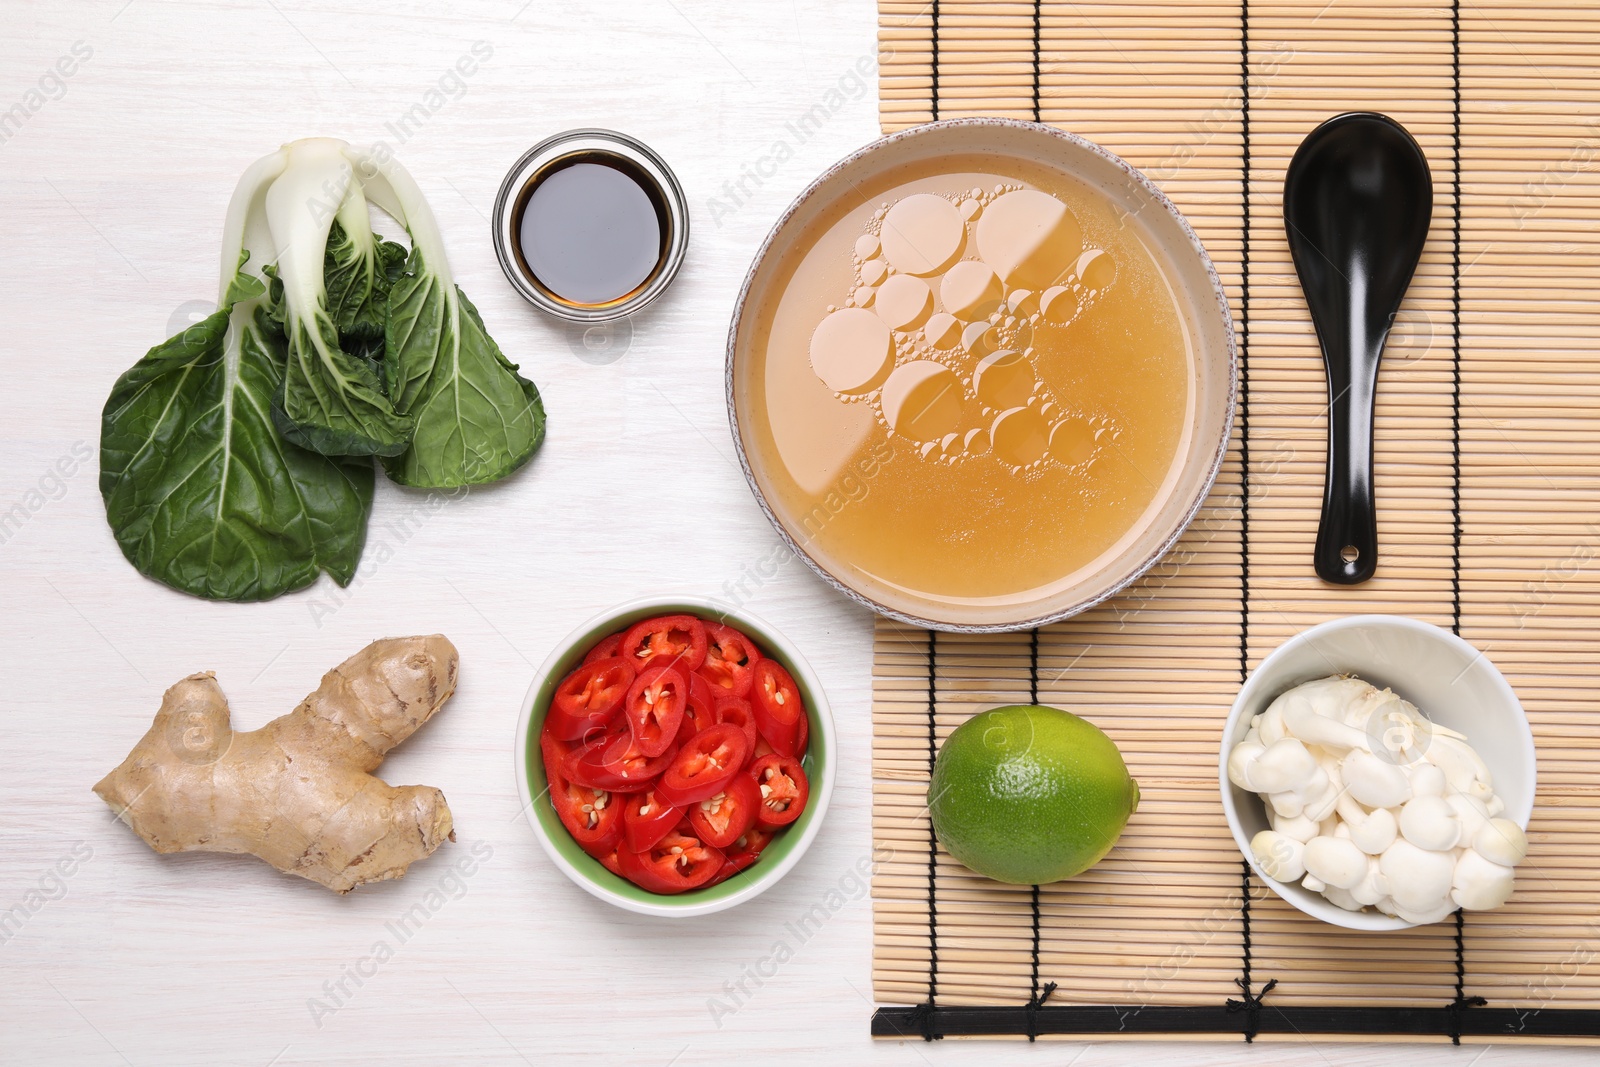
[
  {"x": 1315, "y": 906},
  {"x": 1219, "y": 293},
  {"x": 822, "y": 751}
]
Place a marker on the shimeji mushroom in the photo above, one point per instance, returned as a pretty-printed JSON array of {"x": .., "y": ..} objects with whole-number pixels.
[
  {"x": 1419, "y": 880},
  {"x": 1373, "y": 805},
  {"x": 1342, "y": 897},
  {"x": 1427, "y": 780},
  {"x": 1288, "y": 775},
  {"x": 1285, "y": 766},
  {"x": 1323, "y": 806},
  {"x": 1373, "y": 887},
  {"x": 1269, "y": 725},
  {"x": 1242, "y": 758},
  {"x": 1483, "y": 875},
  {"x": 1430, "y": 822},
  {"x": 1463, "y": 768},
  {"x": 1335, "y": 861},
  {"x": 1374, "y": 781},
  {"x": 1300, "y": 827},
  {"x": 1309, "y": 712},
  {"x": 1471, "y": 813},
  {"x": 1281, "y": 858},
  {"x": 1501, "y": 841},
  {"x": 1371, "y": 831},
  {"x": 1320, "y": 804},
  {"x": 1480, "y": 884}
]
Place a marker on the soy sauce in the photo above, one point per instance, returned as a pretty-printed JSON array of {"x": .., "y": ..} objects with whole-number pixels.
[{"x": 591, "y": 230}]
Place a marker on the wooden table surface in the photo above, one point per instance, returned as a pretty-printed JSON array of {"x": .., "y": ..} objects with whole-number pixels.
[{"x": 113, "y": 185}]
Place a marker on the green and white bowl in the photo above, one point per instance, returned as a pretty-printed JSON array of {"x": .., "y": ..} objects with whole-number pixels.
[{"x": 586, "y": 871}]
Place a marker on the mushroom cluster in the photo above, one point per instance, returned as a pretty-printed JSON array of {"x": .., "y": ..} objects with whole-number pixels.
[{"x": 1374, "y": 805}]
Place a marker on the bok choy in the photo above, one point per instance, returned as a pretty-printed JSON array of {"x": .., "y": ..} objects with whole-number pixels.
[{"x": 235, "y": 457}]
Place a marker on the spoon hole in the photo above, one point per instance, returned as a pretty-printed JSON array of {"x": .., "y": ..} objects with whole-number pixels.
[{"x": 1349, "y": 553}]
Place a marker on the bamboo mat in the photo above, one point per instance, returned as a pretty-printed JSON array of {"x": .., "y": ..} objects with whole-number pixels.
[{"x": 1487, "y": 492}]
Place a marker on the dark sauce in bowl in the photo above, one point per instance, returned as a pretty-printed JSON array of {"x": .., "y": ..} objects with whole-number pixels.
[
  {"x": 590, "y": 225},
  {"x": 591, "y": 230}
]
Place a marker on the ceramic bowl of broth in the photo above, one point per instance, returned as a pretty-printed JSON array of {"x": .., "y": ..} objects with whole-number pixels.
[{"x": 981, "y": 375}]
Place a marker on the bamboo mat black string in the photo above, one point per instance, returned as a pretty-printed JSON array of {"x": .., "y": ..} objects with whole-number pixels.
[
  {"x": 926, "y": 1008},
  {"x": 1250, "y": 1002},
  {"x": 1037, "y": 63},
  {"x": 1455, "y": 316},
  {"x": 1243, "y": 342},
  {"x": 1033, "y": 666},
  {"x": 1461, "y": 1002},
  {"x": 933, "y": 92},
  {"x": 1040, "y": 993},
  {"x": 1036, "y": 999},
  {"x": 1250, "y": 1005}
]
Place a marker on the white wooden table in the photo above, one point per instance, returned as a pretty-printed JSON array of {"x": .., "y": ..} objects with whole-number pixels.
[{"x": 112, "y": 192}]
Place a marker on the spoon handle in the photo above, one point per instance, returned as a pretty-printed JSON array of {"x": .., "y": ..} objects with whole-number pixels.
[{"x": 1347, "y": 537}]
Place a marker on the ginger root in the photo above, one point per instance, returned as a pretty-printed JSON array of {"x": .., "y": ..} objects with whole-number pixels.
[{"x": 299, "y": 792}]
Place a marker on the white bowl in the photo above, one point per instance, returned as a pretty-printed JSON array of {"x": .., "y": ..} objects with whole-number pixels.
[
  {"x": 822, "y": 755},
  {"x": 1451, "y": 682}
]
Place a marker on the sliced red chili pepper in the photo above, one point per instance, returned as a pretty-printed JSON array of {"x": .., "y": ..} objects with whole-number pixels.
[
  {"x": 732, "y": 864},
  {"x": 754, "y": 840},
  {"x": 623, "y": 760},
  {"x": 586, "y": 764},
  {"x": 784, "y": 790},
  {"x": 738, "y": 712},
  {"x": 567, "y": 797},
  {"x": 704, "y": 765},
  {"x": 723, "y": 818},
  {"x": 588, "y": 697},
  {"x": 645, "y": 820},
  {"x": 655, "y": 707},
  {"x": 582, "y": 765},
  {"x": 731, "y": 659},
  {"x": 675, "y": 864},
  {"x": 701, "y": 710},
  {"x": 778, "y": 707},
  {"x": 611, "y": 862},
  {"x": 607, "y": 648},
  {"x": 592, "y": 816},
  {"x": 553, "y": 753},
  {"x": 683, "y": 637},
  {"x": 687, "y": 728},
  {"x": 802, "y": 736}
]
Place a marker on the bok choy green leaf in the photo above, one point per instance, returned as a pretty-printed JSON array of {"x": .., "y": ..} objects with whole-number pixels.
[
  {"x": 235, "y": 457},
  {"x": 200, "y": 490},
  {"x": 476, "y": 418}
]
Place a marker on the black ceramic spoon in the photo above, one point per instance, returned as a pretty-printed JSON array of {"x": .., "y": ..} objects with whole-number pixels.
[{"x": 1356, "y": 204}]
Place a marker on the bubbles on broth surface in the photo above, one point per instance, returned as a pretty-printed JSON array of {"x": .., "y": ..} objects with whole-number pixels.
[{"x": 938, "y": 333}]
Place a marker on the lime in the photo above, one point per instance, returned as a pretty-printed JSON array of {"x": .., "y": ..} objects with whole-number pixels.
[{"x": 1029, "y": 794}]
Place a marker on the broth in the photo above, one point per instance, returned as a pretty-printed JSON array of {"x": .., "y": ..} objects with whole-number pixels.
[{"x": 970, "y": 386}]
